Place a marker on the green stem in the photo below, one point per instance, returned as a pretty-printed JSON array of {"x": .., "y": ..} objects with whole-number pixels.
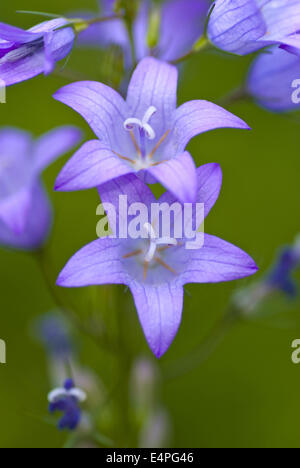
[
  {"x": 104, "y": 19},
  {"x": 123, "y": 371},
  {"x": 236, "y": 95},
  {"x": 42, "y": 260},
  {"x": 206, "y": 348},
  {"x": 201, "y": 45},
  {"x": 132, "y": 44}
]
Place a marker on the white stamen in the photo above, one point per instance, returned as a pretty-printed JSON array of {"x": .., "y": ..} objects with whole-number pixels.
[
  {"x": 143, "y": 124},
  {"x": 155, "y": 242},
  {"x": 80, "y": 395},
  {"x": 58, "y": 393}
]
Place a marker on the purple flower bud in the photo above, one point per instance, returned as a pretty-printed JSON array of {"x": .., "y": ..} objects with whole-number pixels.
[
  {"x": 241, "y": 27},
  {"x": 26, "y": 54}
]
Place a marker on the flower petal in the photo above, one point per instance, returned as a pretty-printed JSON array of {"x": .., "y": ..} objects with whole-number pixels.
[
  {"x": 15, "y": 142},
  {"x": 237, "y": 26},
  {"x": 39, "y": 54},
  {"x": 102, "y": 107},
  {"x": 130, "y": 186},
  {"x": 282, "y": 17},
  {"x": 38, "y": 223},
  {"x": 14, "y": 34},
  {"x": 92, "y": 165},
  {"x": 54, "y": 144},
  {"x": 195, "y": 117},
  {"x": 153, "y": 83},
  {"x": 179, "y": 176},
  {"x": 12, "y": 72},
  {"x": 160, "y": 310},
  {"x": 187, "y": 18},
  {"x": 98, "y": 263},
  {"x": 209, "y": 183},
  {"x": 14, "y": 210},
  {"x": 271, "y": 78},
  {"x": 217, "y": 261}
]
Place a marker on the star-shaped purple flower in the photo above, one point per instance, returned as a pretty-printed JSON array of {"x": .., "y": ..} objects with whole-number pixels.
[
  {"x": 156, "y": 268},
  {"x": 242, "y": 27},
  {"x": 145, "y": 135},
  {"x": 25, "y": 212},
  {"x": 186, "y": 17},
  {"x": 26, "y": 54}
]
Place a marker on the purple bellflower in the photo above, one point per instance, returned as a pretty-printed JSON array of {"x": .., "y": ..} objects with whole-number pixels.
[
  {"x": 241, "y": 27},
  {"x": 274, "y": 80},
  {"x": 280, "y": 276},
  {"x": 25, "y": 211},
  {"x": 145, "y": 134},
  {"x": 186, "y": 17},
  {"x": 26, "y": 54},
  {"x": 67, "y": 400},
  {"x": 54, "y": 334},
  {"x": 156, "y": 268}
]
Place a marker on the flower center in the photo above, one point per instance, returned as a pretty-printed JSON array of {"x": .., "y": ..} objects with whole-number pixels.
[
  {"x": 155, "y": 242},
  {"x": 156, "y": 246},
  {"x": 143, "y": 125},
  {"x": 141, "y": 131}
]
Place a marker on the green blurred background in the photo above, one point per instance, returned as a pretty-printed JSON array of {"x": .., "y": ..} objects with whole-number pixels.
[{"x": 247, "y": 393}]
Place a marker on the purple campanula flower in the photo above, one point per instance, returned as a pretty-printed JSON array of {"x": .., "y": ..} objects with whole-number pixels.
[
  {"x": 280, "y": 276},
  {"x": 146, "y": 134},
  {"x": 156, "y": 268},
  {"x": 186, "y": 17},
  {"x": 25, "y": 211},
  {"x": 242, "y": 27},
  {"x": 26, "y": 54},
  {"x": 54, "y": 334},
  {"x": 274, "y": 80},
  {"x": 67, "y": 400}
]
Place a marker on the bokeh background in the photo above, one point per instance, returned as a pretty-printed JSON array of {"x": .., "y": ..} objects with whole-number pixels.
[{"x": 247, "y": 393}]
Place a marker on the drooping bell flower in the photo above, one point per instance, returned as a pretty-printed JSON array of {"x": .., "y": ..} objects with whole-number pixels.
[
  {"x": 25, "y": 211},
  {"x": 156, "y": 267},
  {"x": 146, "y": 134},
  {"x": 26, "y": 54},
  {"x": 274, "y": 80},
  {"x": 241, "y": 27},
  {"x": 180, "y": 24}
]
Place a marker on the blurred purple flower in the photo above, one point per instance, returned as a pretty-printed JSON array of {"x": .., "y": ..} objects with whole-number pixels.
[
  {"x": 145, "y": 135},
  {"x": 66, "y": 400},
  {"x": 25, "y": 211},
  {"x": 272, "y": 80},
  {"x": 242, "y": 27},
  {"x": 280, "y": 276},
  {"x": 156, "y": 271},
  {"x": 54, "y": 334},
  {"x": 26, "y": 54},
  {"x": 186, "y": 17}
]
